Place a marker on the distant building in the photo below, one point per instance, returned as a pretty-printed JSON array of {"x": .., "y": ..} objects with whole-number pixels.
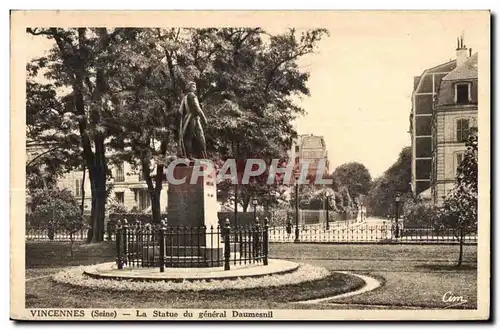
[
  {"x": 129, "y": 188},
  {"x": 312, "y": 149},
  {"x": 444, "y": 108}
]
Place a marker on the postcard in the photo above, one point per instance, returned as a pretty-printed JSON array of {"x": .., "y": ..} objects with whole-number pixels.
[{"x": 250, "y": 165}]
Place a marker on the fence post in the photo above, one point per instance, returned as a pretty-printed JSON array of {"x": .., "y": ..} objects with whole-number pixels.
[
  {"x": 162, "y": 246},
  {"x": 125, "y": 241},
  {"x": 227, "y": 244},
  {"x": 119, "y": 231},
  {"x": 256, "y": 243},
  {"x": 266, "y": 240}
]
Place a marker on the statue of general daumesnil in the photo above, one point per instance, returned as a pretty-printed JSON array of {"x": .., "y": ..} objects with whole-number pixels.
[{"x": 191, "y": 136}]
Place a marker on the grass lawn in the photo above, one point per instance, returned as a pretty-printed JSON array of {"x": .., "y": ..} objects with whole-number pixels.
[
  {"x": 45, "y": 293},
  {"x": 412, "y": 276},
  {"x": 58, "y": 254},
  {"x": 420, "y": 289},
  {"x": 389, "y": 252}
]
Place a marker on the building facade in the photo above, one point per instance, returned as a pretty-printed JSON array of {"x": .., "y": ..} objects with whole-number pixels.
[
  {"x": 455, "y": 113},
  {"x": 311, "y": 149},
  {"x": 129, "y": 188},
  {"x": 444, "y": 108},
  {"x": 425, "y": 89}
]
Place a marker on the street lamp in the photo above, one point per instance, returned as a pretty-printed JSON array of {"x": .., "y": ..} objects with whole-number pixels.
[
  {"x": 328, "y": 195},
  {"x": 297, "y": 209},
  {"x": 361, "y": 211},
  {"x": 254, "y": 203},
  {"x": 235, "y": 148},
  {"x": 397, "y": 199}
]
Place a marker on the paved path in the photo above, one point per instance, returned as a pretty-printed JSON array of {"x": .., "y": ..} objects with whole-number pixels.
[{"x": 370, "y": 284}]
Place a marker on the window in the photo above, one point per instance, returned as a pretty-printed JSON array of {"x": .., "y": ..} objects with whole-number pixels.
[
  {"x": 459, "y": 157},
  {"x": 119, "y": 175},
  {"x": 78, "y": 188},
  {"x": 144, "y": 200},
  {"x": 433, "y": 169},
  {"x": 296, "y": 148},
  {"x": 462, "y": 129},
  {"x": 120, "y": 197},
  {"x": 462, "y": 93}
]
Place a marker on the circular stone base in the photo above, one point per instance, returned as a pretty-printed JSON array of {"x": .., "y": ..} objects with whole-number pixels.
[{"x": 110, "y": 271}]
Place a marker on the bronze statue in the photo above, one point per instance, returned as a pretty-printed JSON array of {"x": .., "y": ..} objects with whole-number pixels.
[{"x": 191, "y": 136}]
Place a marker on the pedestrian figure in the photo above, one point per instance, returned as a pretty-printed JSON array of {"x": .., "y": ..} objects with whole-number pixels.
[{"x": 289, "y": 228}]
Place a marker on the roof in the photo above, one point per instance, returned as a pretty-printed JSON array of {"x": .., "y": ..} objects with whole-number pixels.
[
  {"x": 226, "y": 208},
  {"x": 418, "y": 79},
  {"x": 312, "y": 141},
  {"x": 426, "y": 194},
  {"x": 468, "y": 70}
]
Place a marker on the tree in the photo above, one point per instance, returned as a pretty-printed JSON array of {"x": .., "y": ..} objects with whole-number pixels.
[
  {"x": 78, "y": 65},
  {"x": 240, "y": 77},
  {"x": 395, "y": 180},
  {"x": 50, "y": 142},
  {"x": 354, "y": 176},
  {"x": 126, "y": 84},
  {"x": 256, "y": 79},
  {"x": 55, "y": 210},
  {"x": 459, "y": 211}
]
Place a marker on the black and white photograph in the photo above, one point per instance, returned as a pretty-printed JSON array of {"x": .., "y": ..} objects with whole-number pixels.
[{"x": 326, "y": 165}]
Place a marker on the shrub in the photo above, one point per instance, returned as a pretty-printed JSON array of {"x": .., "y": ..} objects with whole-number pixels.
[
  {"x": 54, "y": 209},
  {"x": 114, "y": 207},
  {"x": 418, "y": 214}
]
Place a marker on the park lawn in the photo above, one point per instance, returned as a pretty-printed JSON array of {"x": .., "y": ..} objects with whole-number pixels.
[
  {"x": 420, "y": 289},
  {"x": 389, "y": 252},
  {"x": 44, "y": 293},
  {"x": 412, "y": 276},
  {"x": 58, "y": 254}
]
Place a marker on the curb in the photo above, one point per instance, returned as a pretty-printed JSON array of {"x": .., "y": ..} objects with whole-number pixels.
[
  {"x": 370, "y": 285},
  {"x": 289, "y": 267}
]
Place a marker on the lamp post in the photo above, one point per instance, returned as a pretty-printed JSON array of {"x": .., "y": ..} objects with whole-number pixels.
[
  {"x": 254, "y": 203},
  {"x": 327, "y": 210},
  {"x": 297, "y": 209},
  {"x": 236, "y": 151},
  {"x": 397, "y": 199}
]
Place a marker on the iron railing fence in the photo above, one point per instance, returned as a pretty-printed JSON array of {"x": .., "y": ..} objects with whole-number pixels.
[
  {"x": 55, "y": 234},
  {"x": 368, "y": 233},
  {"x": 247, "y": 240},
  {"x": 165, "y": 246}
]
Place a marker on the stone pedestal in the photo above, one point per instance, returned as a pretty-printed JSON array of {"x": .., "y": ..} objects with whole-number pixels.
[{"x": 192, "y": 205}]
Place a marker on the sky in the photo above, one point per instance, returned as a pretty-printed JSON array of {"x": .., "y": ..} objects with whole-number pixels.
[{"x": 361, "y": 77}]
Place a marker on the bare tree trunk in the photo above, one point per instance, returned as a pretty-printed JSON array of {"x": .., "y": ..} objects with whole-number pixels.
[
  {"x": 246, "y": 202},
  {"x": 461, "y": 250},
  {"x": 82, "y": 189},
  {"x": 155, "y": 200},
  {"x": 155, "y": 207},
  {"x": 153, "y": 190},
  {"x": 72, "y": 241}
]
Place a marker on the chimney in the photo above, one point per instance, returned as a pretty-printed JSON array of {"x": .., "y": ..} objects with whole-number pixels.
[{"x": 462, "y": 51}]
